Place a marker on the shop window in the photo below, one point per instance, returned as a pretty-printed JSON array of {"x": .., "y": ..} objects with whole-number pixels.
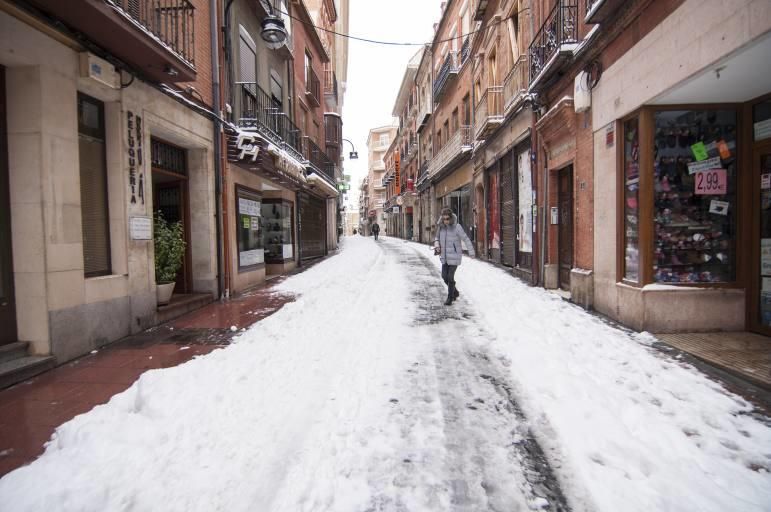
[
  {"x": 694, "y": 181},
  {"x": 761, "y": 121},
  {"x": 249, "y": 231},
  {"x": 278, "y": 218},
  {"x": 631, "y": 200},
  {"x": 93, "y": 187}
]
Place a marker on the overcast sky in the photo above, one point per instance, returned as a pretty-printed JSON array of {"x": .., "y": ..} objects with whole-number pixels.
[{"x": 375, "y": 71}]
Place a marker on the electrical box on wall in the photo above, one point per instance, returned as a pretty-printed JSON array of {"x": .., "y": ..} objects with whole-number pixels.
[
  {"x": 99, "y": 70},
  {"x": 582, "y": 94}
]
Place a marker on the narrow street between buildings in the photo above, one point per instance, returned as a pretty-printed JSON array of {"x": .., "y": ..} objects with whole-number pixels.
[{"x": 366, "y": 393}]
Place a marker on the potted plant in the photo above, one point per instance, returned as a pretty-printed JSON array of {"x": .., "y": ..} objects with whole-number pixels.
[{"x": 169, "y": 251}]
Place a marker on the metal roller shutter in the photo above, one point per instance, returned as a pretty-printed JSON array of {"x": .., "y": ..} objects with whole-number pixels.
[
  {"x": 313, "y": 239},
  {"x": 508, "y": 210}
]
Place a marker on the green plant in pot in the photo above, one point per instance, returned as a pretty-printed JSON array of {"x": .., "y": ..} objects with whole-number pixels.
[{"x": 169, "y": 250}]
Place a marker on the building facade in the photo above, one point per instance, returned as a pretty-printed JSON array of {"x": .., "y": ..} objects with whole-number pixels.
[
  {"x": 105, "y": 122},
  {"x": 373, "y": 188}
]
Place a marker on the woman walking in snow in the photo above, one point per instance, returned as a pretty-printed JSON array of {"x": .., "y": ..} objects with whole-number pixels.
[{"x": 448, "y": 245}]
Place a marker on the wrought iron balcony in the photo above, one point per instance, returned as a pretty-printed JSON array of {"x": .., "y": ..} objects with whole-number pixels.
[
  {"x": 454, "y": 148},
  {"x": 465, "y": 50},
  {"x": 554, "y": 42},
  {"x": 601, "y": 11},
  {"x": 446, "y": 72},
  {"x": 318, "y": 159},
  {"x": 313, "y": 88},
  {"x": 255, "y": 110},
  {"x": 515, "y": 85},
  {"x": 488, "y": 114},
  {"x": 157, "y": 37}
]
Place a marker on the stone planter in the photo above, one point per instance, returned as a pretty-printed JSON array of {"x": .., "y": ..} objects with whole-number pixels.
[{"x": 163, "y": 292}]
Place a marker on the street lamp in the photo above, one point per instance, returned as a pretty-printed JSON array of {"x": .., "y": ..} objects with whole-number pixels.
[
  {"x": 273, "y": 29},
  {"x": 353, "y": 154}
]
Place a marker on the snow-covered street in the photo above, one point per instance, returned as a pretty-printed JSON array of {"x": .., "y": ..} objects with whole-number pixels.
[{"x": 368, "y": 394}]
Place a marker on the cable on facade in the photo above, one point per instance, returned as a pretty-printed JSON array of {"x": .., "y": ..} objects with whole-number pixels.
[{"x": 394, "y": 43}]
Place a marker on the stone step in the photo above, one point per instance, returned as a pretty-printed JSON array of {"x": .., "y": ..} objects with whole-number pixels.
[
  {"x": 181, "y": 304},
  {"x": 23, "y": 368},
  {"x": 12, "y": 351}
]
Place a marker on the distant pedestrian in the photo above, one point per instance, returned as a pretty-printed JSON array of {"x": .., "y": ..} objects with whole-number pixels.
[
  {"x": 448, "y": 246},
  {"x": 375, "y": 229}
]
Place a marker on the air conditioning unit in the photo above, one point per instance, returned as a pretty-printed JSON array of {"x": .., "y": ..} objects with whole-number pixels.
[{"x": 99, "y": 70}]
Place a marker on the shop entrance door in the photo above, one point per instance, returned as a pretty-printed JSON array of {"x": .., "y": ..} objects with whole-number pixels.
[
  {"x": 7, "y": 303},
  {"x": 171, "y": 199},
  {"x": 565, "y": 237},
  {"x": 760, "y": 298}
]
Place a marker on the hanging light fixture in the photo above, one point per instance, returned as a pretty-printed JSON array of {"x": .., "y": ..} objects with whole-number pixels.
[{"x": 273, "y": 29}]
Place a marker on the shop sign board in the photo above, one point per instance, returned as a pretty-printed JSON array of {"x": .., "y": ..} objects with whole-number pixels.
[
  {"x": 719, "y": 207},
  {"x": 713, "y": 182},
  {"x": 762, "y": 129},
  {"x": 136, "y": 174}
]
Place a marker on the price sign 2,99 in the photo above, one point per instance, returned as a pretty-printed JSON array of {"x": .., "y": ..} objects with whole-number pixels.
[{"x": 712, "y": 182}]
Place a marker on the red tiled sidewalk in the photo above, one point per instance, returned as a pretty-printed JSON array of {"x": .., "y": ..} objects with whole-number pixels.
[{"x": 30, "y": 411}]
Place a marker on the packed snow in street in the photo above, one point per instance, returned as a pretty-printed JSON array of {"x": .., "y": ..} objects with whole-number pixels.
[{"x": 368, "y": 394}]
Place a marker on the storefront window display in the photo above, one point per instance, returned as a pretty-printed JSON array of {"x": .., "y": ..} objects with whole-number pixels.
[
  {"x": 277, "y": 218},
  {"x": 249, "y": 231},
  {"x": 694, "y": 159},
  {"x": 631, "y": 200}
]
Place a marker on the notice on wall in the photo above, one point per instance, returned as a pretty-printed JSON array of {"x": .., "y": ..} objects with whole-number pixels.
[
  {"x": 765, "y": 257},
  {"x": 718, "y": 207},
  {"x": 525, "y": 216},
  {"x": 713, "y": 182},
  {"x": 248, "y": 207},
  {"x": 141, "y": 228},
  {"x": 766, "y": 285},
  {"x": 249, "y": 258},
  {"x": 712, "y": 163}
]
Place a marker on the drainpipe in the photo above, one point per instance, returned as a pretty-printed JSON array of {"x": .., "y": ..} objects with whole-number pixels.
[{"x": 215, "y": 67}]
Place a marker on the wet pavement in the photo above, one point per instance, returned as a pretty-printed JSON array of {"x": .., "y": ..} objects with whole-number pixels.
[{"x": 31, "y": 411}]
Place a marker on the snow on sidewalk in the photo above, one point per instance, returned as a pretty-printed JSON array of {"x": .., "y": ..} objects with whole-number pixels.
[{"x": 297, "y": 415}]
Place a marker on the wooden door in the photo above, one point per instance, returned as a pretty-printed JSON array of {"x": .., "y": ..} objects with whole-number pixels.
[
  {"x": 565, "y": 242},
  {"x": 7, "y": 302},
  {"x": 170, "y": 198}
]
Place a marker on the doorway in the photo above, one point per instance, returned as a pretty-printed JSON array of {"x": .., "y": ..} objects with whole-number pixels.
[
  {"x": 565, "y": 234},
  {"x": 7, "y": 300},
  {"x": 170, "y": 197},
  {"x": 760, "y": 298}
]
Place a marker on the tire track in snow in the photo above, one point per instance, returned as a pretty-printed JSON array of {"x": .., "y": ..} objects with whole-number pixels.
[{"x": 489, "y": 459}]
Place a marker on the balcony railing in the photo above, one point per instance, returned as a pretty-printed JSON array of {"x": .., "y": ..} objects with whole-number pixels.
[
  {"x": 318, "y": 159},
  {"x": 170, "y": 21},
  {"x": 479, "y": 9},
  {"x": 462, "y": 140},
  {"x": 313, "y": 88},
  {"x": 424, "y": 113},
  {"x": 515, "y": 84},
  {"x": 465, "y": 50},
  {"x": 488, "y": 114},
  {"x": 559, "y": 29},
  {"x": 330, "y": 83},
  {"x": 448, "y": 70},
  {"x": 256, "y": 110}
]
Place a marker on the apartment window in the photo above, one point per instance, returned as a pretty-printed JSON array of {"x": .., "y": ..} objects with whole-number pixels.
[
  {"x": 276, "y": 90},
  {"x": 514, "y": 37},
  {"x": 308, "y": 67},
  {"x": 384, "y": 140},
  {"x": 446, "y": 130},
  {"x": 478, "y": 89},
  {"x": 492, "y": 70},
  {"x": 93, "y": 187},
  {"x": 455, "y": 123},
  {"x": 439, "y": 140},
  {"x": 467, "y": 110},
  {"x": 247, "y": 56}
]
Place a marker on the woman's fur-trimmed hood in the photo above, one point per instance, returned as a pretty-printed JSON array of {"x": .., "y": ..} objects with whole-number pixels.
[{"x": 453, "y": 221}]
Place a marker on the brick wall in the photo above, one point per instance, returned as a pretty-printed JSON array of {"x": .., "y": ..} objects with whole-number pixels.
[
  {"x": 302, "y": 42},
  {"x": 203, "y": 80}
]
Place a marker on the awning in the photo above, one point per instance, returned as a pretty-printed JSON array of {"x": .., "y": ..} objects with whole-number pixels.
[{"x": 317, "y": 182}]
